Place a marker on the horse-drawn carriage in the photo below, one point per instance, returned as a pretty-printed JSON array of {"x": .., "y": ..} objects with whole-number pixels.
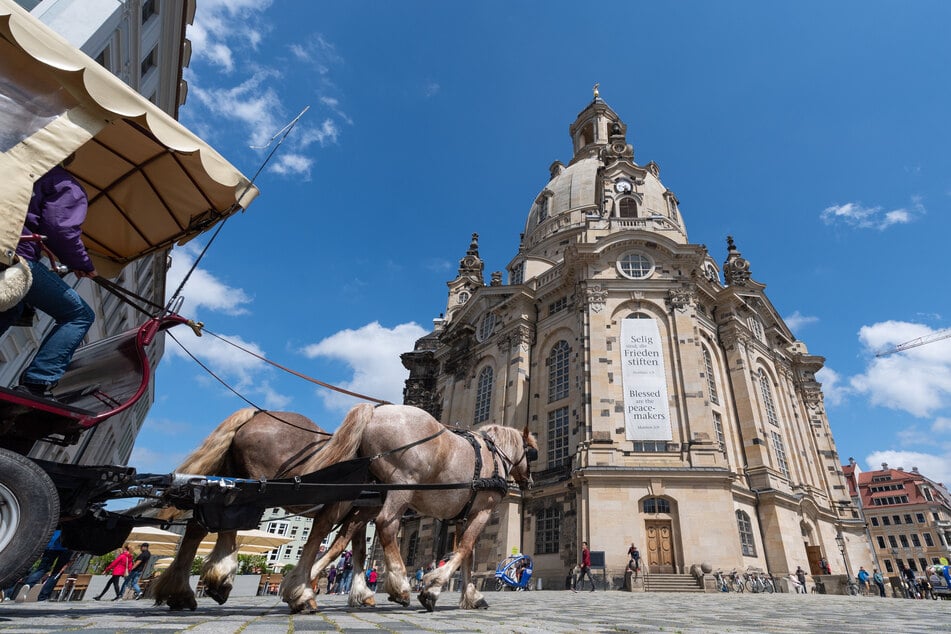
[{"x": 152, "y": 184}]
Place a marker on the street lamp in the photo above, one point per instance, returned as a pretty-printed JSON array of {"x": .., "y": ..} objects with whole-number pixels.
[{"x": 840, "y": 541}]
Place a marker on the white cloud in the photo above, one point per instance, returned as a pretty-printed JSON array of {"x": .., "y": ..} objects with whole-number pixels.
[
  {"x": 833, "y": 391},
  {"x": 855, "y": 215},
  {"x": 917, "y": 380},
  {"x": 431, "y": 89},
  {"x": 373, "y": 354},
  {"x": 936, "y": 467},
  {"x": 221, "y": 25},
  {"x": 292, "y": 163},
  {"x": 941, "y": 424},
  {"x": 797, "y": 320},
  {"x": 257, "y": 107},
  {"x": 203, "y": 290}
]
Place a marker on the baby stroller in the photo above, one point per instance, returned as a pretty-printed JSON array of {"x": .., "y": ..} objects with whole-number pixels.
[{"x": 514, "y": 572}]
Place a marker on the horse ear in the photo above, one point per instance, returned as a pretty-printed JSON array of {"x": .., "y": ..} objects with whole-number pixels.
[{"x": 526, "y": 434}]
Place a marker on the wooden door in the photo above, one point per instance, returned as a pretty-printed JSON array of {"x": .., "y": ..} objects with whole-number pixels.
[
  {"x": 814, "y": 553},
  {"x": 660, "y": 546}
]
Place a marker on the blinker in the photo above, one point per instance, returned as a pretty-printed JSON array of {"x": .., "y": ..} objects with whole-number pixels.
[{"x": 531, "y": 454}]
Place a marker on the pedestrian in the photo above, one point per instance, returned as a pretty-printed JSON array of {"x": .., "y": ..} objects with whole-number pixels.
[
  {"x": 372, "y": 577},
  {"x": 419, "y": 579},
  {"x": 57, "y": 211},
  {"x": 635, "y": 557},
  {"x": 879, "y": 581},
  {"x": 331, "y": 580},
  {"x": 138, "y": 567},
  {"x": 863, "y": 578},
  {"x": 912, "y": 582},
  {"x": 347, "y": 579},
  {"x": 801, "y": 578},
  {"x": 119, "y": 568},
  {"x": 55, "y": 557},
  {"x": 585, "y": 568}
]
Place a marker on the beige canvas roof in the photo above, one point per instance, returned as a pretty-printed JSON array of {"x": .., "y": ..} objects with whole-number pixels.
[{"x": 151, "y": 182}]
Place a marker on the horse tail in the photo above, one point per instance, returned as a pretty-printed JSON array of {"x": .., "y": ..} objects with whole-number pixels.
[
  {"x": 345, "y": 443},
  {"x": 210, "y": 456}
]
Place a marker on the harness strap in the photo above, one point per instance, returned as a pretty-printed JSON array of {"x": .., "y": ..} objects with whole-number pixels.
[{"x": 494, "y": 483}]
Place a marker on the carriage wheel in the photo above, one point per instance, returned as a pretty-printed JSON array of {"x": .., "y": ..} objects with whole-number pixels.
[{"x": 29, "y": 511}]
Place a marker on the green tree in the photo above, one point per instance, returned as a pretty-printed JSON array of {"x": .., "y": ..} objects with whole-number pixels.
[
  {"x": 98, "y": 564},
  {"x": 197, "y": 564},
  {"x": 247, "y": 563}
]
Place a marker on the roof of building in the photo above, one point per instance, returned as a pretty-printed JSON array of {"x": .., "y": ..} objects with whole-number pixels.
[{"x": 891, "y": 483}]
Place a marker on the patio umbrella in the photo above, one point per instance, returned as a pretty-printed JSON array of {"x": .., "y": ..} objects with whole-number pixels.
[
  {"x": 250, "y": 542},
  {"x": 161, "y": 542}
]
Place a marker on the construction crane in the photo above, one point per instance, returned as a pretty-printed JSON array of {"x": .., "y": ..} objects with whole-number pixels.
[{"x": 914, "y": 343}]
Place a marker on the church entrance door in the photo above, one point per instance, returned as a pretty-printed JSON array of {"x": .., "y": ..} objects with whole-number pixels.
[
  {"x": 660, "y": 546},
  {"x": 814, "y": 554}
]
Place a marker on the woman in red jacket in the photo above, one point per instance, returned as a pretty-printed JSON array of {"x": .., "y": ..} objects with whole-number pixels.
[{"x": 119, "y": 567}]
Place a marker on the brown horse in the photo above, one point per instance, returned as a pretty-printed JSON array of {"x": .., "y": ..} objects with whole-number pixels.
[
  {"x": 248, "y": 444},
  {"x": 407, "y": 446}
]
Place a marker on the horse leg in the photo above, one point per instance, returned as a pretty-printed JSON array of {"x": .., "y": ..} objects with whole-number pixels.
[
  {"x": 218, "y": 570},
  {"x": 360, "y": 594},
  {"x": 172, "y": 586},
  {"x": 296, "y": 590},
  {"x": 396, "y": 584},
  {"x": 470, "y": 599},
  {"x": 435, "y": 580}
]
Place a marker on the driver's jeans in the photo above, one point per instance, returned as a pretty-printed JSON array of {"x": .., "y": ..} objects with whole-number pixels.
[{"x": 72, "y": 316}]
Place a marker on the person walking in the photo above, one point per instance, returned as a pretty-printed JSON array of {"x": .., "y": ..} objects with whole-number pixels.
[
  {"x": 331, "y": 579},
  {"x": 119, "y": 568},
  {"x": 585, "y": 568},
  {"x": 57, "y": 211},
  {"x": 347, "y": 580},
  {"x": 55, "y": 558},
  {"x": 135, "y": 573}
]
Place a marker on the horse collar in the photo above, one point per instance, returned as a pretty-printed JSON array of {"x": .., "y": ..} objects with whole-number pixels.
[{"x": 494, "y": 483}]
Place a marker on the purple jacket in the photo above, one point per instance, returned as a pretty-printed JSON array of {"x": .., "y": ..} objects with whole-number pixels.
[{"x": 57, "y": 210}]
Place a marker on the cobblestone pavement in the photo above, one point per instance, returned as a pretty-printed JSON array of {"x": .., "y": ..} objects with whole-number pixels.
[{"x": 510, "y": 612}]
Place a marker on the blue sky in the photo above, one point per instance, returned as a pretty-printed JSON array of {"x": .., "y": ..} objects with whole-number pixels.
[{"x": 815, "y": 133}]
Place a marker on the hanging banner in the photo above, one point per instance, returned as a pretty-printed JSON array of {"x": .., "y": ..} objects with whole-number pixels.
[{"x": 644, "y": 378}]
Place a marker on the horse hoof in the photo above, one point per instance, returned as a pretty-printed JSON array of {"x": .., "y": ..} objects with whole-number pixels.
[
  {"x": 428, "y": 601},
  {"x": 369, "y": 602},
  {"x": 482, "y": 604},
  {"x": 404, "y": 601},
  {"x": 219, "y": 594}
]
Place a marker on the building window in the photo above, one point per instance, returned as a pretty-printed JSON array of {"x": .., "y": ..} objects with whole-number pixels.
[
  {"x": 557, "y": 306},
  {"x": 148, "y": 10},
  {"x": 928, "y": 539},
  {"x": 780, "y": 450},
  {"x": 104, "y": 58},
  {"x": 547, "y": 531},
  {"x": 635, "y": 266},
  {"x": 543, "y": 208},
  {"x": 278, "y": 528},
  {"x": 908, "y": 519},
  {"x": 756, "y": 326},
  {"x": 557, "y": 437},
  {"x": 892, "y": 541},
  {"x": 518, "y": 273},
  {"x": 915, "y": 541},
  {"x": 650, "y": 446},
  {"x": 148, "y": 63},
  {"x": 920, "y": 517},
  {"x": 913, "y": 565},
  {"x": 558, "y": 371},
  {"x": 886, "y": 521},
  {"x": 923, "y": 563},
  {"x": 627, "y": 208},
  {"x": 656, "y": 505},
  {"x": 888, "y": 566},
  {"x": 745, "y": 528},
  {"x": 874, "y": 521},
  {"x": 896, "y": 519},
  {"x": 881, "y": 542},
  {"x": 904, "y": 541},
  {"x": 718, "y": 428},
  {"x": 928, "y": 495},
  {"x": 767, "y": 393},
  {"x": 711, "y": 379},
  {"x": 463, "y": 297},
  {"x": 486, "y": 327},
  {"x": 483, "y": 403},
  {"x": 412, "y": 549}
]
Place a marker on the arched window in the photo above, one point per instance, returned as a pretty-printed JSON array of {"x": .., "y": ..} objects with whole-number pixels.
[
  {"x": 558, "y": 371},
  {"x": 483, "y": 403},
  {"x": 627, "y": 208},
  {"x": 745, "y": 528},
  {"x": 767, "y": 394},
  {"x": 656, "y": 505},
  {"x": 711, "y": 379},
  {"x": 543, "y": 208}
]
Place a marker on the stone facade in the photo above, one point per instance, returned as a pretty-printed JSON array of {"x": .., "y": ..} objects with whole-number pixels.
[{"x": 727, "y": 458}]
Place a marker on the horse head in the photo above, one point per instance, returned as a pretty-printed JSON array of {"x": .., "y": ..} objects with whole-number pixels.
[{"x": 518, "y": 451}]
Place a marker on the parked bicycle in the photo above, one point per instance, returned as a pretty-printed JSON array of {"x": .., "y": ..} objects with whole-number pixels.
[
  {"x": 759, "y": 582},
  {"x": 736, "y": 581},
  {"x": 853, "y": 587},
  {"x": 722, "y": 585}
]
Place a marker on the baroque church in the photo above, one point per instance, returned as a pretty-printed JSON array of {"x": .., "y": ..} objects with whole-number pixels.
[{"x": 674, "y": 408}]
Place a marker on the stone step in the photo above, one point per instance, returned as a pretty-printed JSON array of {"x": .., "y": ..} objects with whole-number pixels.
[{"x": 671, "y": 583}]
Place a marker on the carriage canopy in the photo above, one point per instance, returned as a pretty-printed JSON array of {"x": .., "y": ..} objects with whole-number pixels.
[{"x": 151, "y": 182}]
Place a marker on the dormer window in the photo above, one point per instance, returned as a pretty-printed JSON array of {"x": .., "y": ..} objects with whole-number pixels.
[
  {"x": 463, "y": 297},
  {"x": 627, "y": 208},
  {"x": 635, "y": 266},
  {"x": 543, "y": 208}
]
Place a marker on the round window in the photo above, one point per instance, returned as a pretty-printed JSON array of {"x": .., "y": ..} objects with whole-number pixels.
[
  {"x": 635, "y": 266},
  {"x": 463, "y": 297}
]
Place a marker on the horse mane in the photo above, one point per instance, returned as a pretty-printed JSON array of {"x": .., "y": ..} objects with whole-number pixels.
[{"x": 508, "y": 439}]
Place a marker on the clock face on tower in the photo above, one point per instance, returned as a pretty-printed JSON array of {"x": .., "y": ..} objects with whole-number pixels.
[{"x": 623, "y": 186}]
